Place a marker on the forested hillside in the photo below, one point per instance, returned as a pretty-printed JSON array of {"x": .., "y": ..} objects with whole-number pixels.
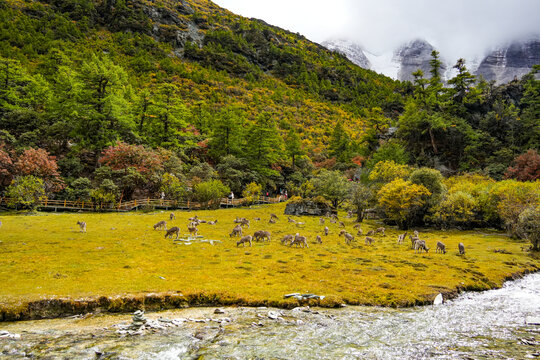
[{"x": 117, "y": 99}]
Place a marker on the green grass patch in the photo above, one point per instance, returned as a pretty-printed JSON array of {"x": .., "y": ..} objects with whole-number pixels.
[{"x": 44, "y": 256}]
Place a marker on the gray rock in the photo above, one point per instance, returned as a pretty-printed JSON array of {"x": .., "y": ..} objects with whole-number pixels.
[
  {"x": 532, "y": 320},
  {"x": 308, "y": 207},
  {"x": 219, "y": 311}
]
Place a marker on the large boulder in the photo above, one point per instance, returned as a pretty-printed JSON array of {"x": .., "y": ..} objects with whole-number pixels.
[{"x": 314, "y": 207}]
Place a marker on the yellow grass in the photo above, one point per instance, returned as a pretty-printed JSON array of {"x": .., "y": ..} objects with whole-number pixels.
[{"x": 46, "y": 256}]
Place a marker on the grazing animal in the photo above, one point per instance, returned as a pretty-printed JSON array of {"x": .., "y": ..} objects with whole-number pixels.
[
  {"x": 299, "y": 240},
  {"x": 401, "y": 237},
  {"x": 342, "y": 224},
  {"x": 461, "y": 248},
  {"x": 273, "y": 216},
  {"x": 321, "y": 221},
  {"x": 161, "y": 225},
  {"x": 244, "y": 240},
  {"x": 195, "y": 218},
  {"x": 272, "y": 221},
  {"x": 360, "y": 232},
  {"x": 326, "y": 230},
  {"x": 348, "y": 237},
  {"x": 171, "y": 231},
  {"x": 370, "y": 232},
  {"x": 369, "y": 240},
  {"x": 318, "y": 239},
  {"x": 257, "y": 219},
  {"x": 261, "y": 235},
  {"x": 440, "y": 247},
  {"x": 333, "y": 221},
  {"x": 356, "y": 226},
  {"x": 287, "y": 238},
  {"x": 212, "y": 222},
  {"x": 172, "y": 216},
  {"x": 413, "y": 240},
  {"x": 300, "y": 223},
  {"x": 291, "y": 220},
  {"x": 192, "y": 228},
  {"x": 416, "y": 233},
  {"x": 350, "y": 214},
  {"x": 82, "y": 225},
  {"x": 236, "y": 231},
  {"x": 420, "y": 245},
  {"x": 380, "y": 230},
  {"x": 244, "y": 222}
]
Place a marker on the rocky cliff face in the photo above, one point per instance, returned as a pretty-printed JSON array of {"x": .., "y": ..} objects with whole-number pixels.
[
  {"x": 352, "y": 51},
  {"x": 506, "y": 63},
  {"x": 413, "y": 56}
]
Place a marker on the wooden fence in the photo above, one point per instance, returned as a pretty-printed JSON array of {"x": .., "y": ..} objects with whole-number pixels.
[{"x": 56, "y": 205}]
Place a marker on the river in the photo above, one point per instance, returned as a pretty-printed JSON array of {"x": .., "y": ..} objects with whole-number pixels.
[{"x": 486, "y": 325}]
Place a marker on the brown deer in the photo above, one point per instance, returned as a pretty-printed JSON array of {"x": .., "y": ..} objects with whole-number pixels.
[
  {"x": 161, "y": 225},
  {"x": 348, "y": 237},
  {"x": 244, "y": 240},
  {"x": 236, "y": 231},
  {"x": 172, "y": 231},
  {"x": 369, "y": 240},
  {"x": 299, "y": 240},
  {"x": 318, "y": 239},
  {"x": 82, "y": 225},
  {"x": 401, "y": 237},
  {"x": 286, "y": 239},
  {"x": 172, "y": 216},
  {"x": 420, "y": 245},
  {"x": 440, "y": 247}
]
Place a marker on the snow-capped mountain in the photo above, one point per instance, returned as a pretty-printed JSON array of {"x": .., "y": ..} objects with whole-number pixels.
[
  {"x": 500, "y": 65},
  {"x": 352, "y": 51}
]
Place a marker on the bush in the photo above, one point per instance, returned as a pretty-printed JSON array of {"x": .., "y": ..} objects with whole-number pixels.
[
  {"x": 80, "y": 189},
  {"x": 106, "y": 194},
  {"x": 332, "y": 186},
  {"x": 26, "y": 192},
  {"x": 252, "y": 192},
  {"x": 402, "y": 201},
  {"x": 526, "y": 167},
  {"x": 210, "y": 193},
  {"x": 173, "y": 187},
  {"x": 457, "y": 209},
  {"x": 505, "y": 200},
  {"x": 528, "y": 226},
  {"x": 387, "y": 171}
]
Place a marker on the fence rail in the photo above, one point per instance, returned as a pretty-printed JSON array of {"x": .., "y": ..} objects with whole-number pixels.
[{"x": 54, "y": 204}]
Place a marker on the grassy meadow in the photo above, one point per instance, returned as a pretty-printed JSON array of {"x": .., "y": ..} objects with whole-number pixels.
[{"x": 45, "y": 256}]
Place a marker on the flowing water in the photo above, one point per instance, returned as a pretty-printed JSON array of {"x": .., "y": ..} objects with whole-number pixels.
[{"x": 488, "y": 325}]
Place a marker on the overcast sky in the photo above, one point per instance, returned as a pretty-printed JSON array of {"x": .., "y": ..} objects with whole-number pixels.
[{"x": 458, "y": 28}]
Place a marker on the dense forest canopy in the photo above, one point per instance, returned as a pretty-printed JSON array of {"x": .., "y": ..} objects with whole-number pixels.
[{"x": 123, "y": 98}]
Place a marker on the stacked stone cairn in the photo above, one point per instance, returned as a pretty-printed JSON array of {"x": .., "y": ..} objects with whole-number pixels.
[{"x": 138, "y": 320}]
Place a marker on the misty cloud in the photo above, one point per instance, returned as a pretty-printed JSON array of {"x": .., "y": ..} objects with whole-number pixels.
[{"x": 458, "y": 28}]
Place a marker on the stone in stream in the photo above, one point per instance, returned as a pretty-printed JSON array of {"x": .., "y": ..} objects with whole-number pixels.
[
  {"x": 219, "y": 311},
  {"x": 438, "y": 300},
  {"x": 532, "y": 320}
]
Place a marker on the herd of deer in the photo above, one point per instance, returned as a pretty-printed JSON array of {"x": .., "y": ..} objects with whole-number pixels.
[{"x": 262, "y": 235}]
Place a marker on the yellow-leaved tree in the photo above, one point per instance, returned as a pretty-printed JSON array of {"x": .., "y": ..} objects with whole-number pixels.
[
  {"x": 402, "y": 201},
  {"x": 386, "y": 171},
  {"x": 252, "y": 192}
]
